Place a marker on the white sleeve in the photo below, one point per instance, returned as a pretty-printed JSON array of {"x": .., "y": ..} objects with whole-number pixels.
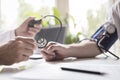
[
  {"x": 6, "y": 36},
  {"x": 114, "y": 16}
]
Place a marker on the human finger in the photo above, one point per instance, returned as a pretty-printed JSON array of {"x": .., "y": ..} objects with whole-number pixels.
[
  {"x": 28, "y": 20},
  {"x": 27, "y": 42},
  {"x": 25, "y": 58},
  {"x": 22, "y": 58},
  {"x": 26, "y": 39},
  {"x": 27, "y": 46},
  {"x": 58, "y": 51},
  {"x": 47, "y": 56},
  {"x": 38, "y": 26},
  {"x": 25, "y": 23},
  {"x": 50, "y": 44},
  {"x": 27, "y": 52},
  {"x": 47, "y": 52},
  {"x": 53, "y": 48},
  {"x": 33, "y": 30}
]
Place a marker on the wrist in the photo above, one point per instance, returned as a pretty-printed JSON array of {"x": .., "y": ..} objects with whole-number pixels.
[{"x": 70, "y": 51}]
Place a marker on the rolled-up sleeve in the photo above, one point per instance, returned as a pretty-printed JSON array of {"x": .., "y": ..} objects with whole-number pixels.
[
  {"x": 6, "y": 36},
  {"x": 114, "y": 16}
]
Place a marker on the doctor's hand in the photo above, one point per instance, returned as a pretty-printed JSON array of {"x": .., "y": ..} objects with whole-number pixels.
[
  {"x": 55, "y": 51},
  {"x": 26, "y": 31},
  {"x": 17, "y": 50}
]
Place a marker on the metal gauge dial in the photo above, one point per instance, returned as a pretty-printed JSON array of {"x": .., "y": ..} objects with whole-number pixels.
[{"x": 109, "y": 28}]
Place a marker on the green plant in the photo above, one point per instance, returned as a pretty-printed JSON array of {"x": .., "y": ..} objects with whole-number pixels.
[{"x": 70, "y": 38}]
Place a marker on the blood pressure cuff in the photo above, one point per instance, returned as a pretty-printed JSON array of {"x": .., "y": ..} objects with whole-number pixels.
[{"x": 103, "y": 38}]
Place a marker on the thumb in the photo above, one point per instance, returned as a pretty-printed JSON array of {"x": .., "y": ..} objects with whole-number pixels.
[{"x": 25, "y": 23}]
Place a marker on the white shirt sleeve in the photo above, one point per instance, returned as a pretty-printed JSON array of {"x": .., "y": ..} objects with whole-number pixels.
[
  {"x": 6, "y": 36},
  {"x": 114, "y": 16}
]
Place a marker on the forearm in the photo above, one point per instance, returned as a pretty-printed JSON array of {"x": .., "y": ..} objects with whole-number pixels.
[
  {"x": 4, "y": 48},
  {"x": 84, "y": 49}
]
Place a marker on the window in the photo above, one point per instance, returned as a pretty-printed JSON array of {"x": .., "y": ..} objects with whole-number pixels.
[
  {"x": 88, "y": 15},
  {"x": 14, "y": 12}
]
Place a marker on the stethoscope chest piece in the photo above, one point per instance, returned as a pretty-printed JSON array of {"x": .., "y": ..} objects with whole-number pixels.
[{"x": 42, "y": 42}]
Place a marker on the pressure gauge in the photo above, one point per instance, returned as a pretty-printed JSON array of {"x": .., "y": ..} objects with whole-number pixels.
[{"x": 110, "y": 28}]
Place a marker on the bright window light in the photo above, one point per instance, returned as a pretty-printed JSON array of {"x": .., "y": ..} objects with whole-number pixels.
[
  {"x": 78, "y": 9},
  {"x": 10, "y": 11}
]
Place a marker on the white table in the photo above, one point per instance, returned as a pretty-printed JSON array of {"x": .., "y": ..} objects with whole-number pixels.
[{"x": 42, "y": 70}]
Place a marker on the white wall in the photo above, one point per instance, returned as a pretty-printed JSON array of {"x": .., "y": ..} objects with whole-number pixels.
[{"x": 63, "y": 6}]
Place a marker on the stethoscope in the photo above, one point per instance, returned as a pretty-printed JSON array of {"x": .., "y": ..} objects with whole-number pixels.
[{"x": 42, "y": 41}]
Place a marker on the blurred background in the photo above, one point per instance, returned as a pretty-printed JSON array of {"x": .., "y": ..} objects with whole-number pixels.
[{"x": 81, "y": 17}]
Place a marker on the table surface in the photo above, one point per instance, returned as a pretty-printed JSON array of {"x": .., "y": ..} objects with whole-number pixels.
[{"x": 42, "y": 70}]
